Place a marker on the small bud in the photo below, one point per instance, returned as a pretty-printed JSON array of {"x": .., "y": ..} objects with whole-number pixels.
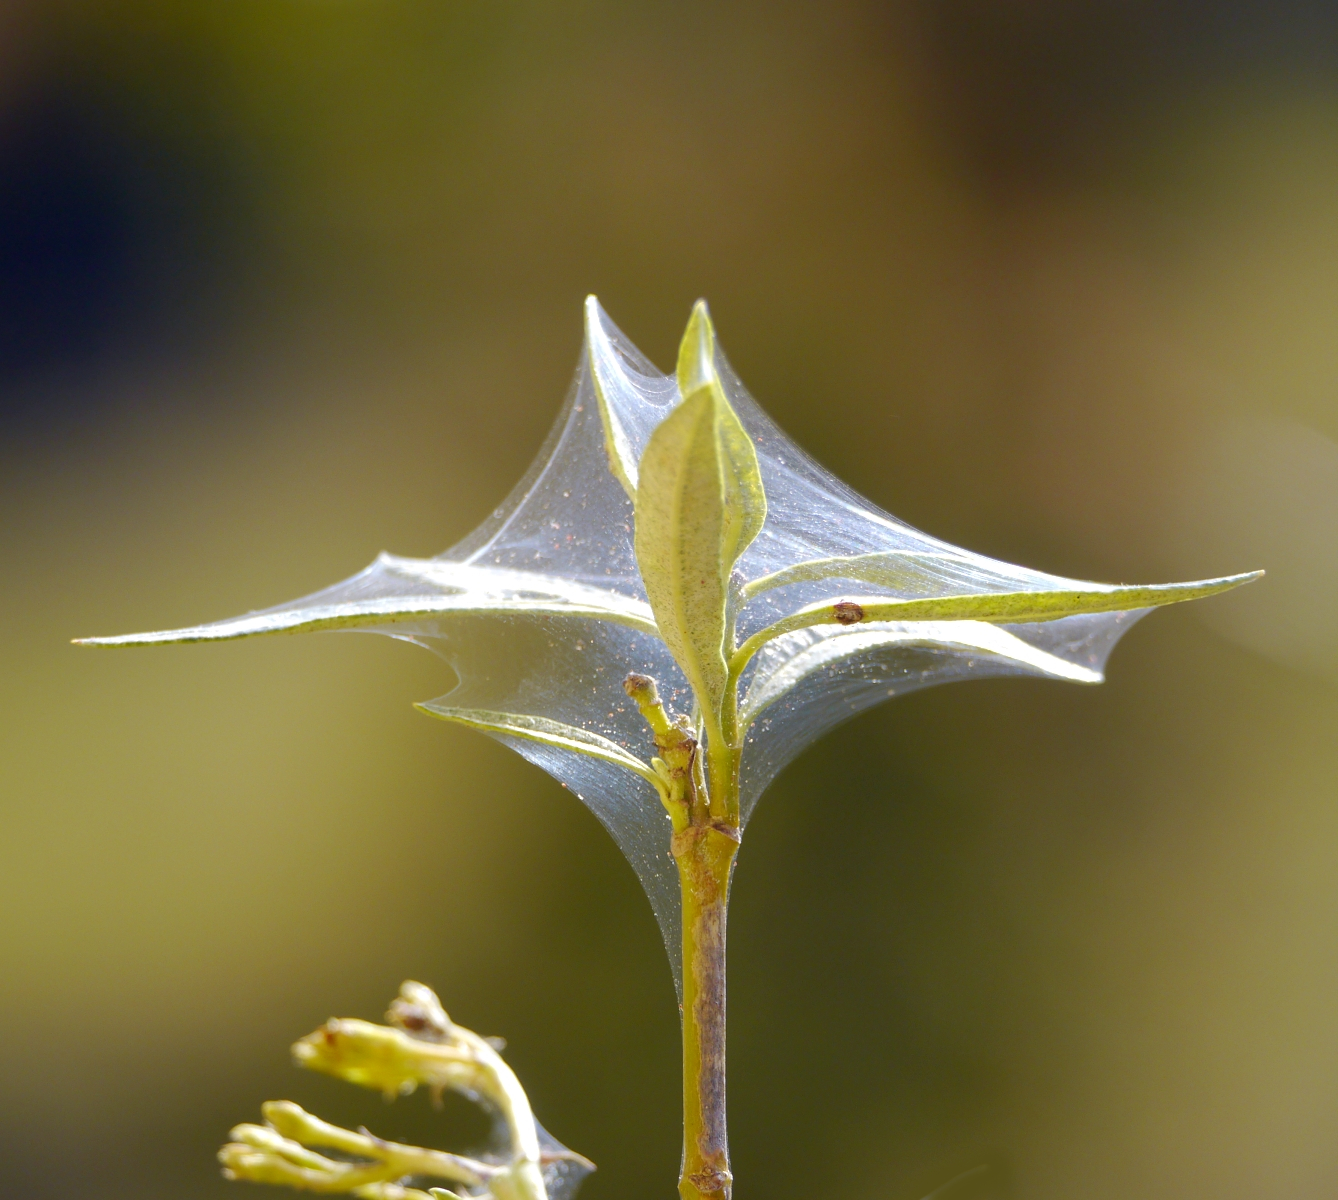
[
  {"x": 258, "y": 1137},
  {"x": 281, "y": 1162},
  {"x": 288, "y": 1119},
  {"x": 642, "y": 689},
  {"x": 418, "y": 1012},
  {"x": 362, "y": 1053}
]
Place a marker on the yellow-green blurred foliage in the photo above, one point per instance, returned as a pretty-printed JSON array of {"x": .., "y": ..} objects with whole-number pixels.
[{"x": 1058, "y": 282}]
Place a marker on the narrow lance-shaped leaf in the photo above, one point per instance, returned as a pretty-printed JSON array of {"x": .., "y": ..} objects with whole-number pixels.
[
  {"x": 1000, "y": 608},
  {"x": 545, "y": 730},
  {"x": 699, "y": 504},
  {"x": 426, "y": 589},
  {"x": 745, "y": 497},
  {"x": 836, "y": 647}
]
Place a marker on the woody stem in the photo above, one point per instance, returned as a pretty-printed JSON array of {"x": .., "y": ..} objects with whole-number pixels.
[
  {"x": 702, "y": 798},
  {"x": 704, "y": 852}
]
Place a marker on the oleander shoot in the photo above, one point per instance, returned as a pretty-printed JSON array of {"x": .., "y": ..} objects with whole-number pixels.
[{"x": 672, "y": 603}]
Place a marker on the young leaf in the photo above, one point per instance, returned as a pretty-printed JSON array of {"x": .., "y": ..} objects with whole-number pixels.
[
  {"x": 542, "y": 729},
  {"x": 429, "y": 588},
  {"x": 745, "y": 498},
  {"x": 837, "y": 646},
  {"x": 699, "y": 503},
  {"x": 999, "y": 608}
]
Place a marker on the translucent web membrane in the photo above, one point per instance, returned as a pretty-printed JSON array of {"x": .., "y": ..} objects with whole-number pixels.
[
  {"x": 541, "y": 612},
  {"x": 563, "y": 1172}
]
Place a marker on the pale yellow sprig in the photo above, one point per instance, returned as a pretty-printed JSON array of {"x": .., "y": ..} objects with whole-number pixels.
[
  {"x": 278, "y": 1152},
  {"x": 423, "y": 1048}
]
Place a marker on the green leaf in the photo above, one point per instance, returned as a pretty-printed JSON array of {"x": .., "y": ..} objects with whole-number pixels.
[
  {"x": 542, "y": 729},
  {"x": 622, "y": 460},
  {"x": 680, "y": 529},
  {"x": 769, "y": 686},
  {"x": 745, "y": 497},
  {"x": 699, "y": 503},
  {"x": 432, "y": 589},
  {"x": 999, "y": 608}
]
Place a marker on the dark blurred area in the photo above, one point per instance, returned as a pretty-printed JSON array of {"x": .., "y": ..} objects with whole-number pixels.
[{"x": 283, "y": 284}]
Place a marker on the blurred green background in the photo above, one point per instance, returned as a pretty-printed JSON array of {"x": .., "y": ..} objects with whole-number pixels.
[{"x": 286, "y": 283}]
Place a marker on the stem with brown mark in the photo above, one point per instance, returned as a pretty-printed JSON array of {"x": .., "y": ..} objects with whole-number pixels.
[
  {"x": 705, "y": 857},
  {"x": 705, "y": 840}
]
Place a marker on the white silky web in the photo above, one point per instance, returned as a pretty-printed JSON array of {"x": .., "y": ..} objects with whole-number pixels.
[
  {"x": 541, "y": 611},
  {"x": 571, "y": 516}
]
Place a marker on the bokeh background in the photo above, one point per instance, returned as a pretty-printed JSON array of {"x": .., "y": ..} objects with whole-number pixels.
[{"x": 285, "y": 283}]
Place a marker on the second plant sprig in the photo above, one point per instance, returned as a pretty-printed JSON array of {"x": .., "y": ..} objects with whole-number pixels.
[{"x": 421, "y": 1047}]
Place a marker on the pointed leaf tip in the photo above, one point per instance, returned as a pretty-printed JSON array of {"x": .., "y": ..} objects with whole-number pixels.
[
  {"x": 696, "y": 352},
  {"x": 617, "y": 444}
]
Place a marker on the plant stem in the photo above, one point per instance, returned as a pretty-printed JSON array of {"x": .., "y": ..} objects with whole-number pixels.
[
  {"x": 705, "y": 840},
  {"x": 705, "y": 857}
]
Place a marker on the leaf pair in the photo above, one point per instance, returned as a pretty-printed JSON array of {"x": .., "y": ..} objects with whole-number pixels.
[{"x": 699, "y": 505}]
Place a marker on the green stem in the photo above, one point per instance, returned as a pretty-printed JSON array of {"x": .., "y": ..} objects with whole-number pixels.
[
  {"x": 701, "y": 792},
  {"x": 705, "y": 857}
]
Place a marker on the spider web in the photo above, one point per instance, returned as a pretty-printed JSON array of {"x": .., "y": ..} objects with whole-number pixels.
[
  {"x": 541, "y": 611},
  {"x": 570, "y": 517}
]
